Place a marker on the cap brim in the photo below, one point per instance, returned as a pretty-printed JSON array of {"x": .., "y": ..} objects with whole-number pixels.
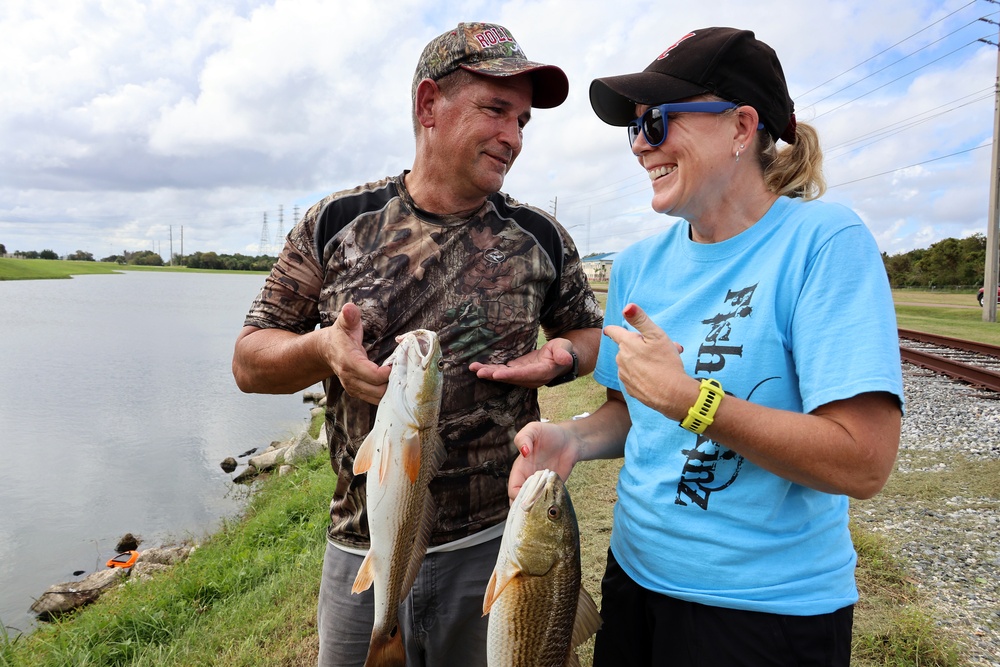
[
  {"x": 550, "y": 85},
  {"x": 614, "y": 97}
]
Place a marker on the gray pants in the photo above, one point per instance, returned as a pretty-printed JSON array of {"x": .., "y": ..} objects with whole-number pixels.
[{"x": 442, "y": 619}]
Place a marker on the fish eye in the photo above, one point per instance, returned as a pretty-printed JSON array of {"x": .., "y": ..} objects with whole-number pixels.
[
  {"x": 554, "y": 512},
  {"x": 441, "y": 363}
]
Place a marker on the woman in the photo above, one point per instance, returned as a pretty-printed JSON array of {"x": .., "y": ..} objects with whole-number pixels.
[{"x": 752, "y": 371}]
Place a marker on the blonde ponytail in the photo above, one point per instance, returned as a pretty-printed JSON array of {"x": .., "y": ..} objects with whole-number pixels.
[{"x": 797, "y": 169}]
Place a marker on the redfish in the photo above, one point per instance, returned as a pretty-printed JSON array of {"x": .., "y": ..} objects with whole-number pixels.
[
  {"x": 539, "y": 611},
  {"x": 401, "y": 455}
]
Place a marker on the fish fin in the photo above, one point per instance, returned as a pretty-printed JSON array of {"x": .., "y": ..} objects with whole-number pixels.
[
  {"x": 366, "y": 453},
  {"x": 503, "y": 574},
  {"x": 587, "y": 621},
  {"x": 420, "y": 541},
  {"x": 383, "y": 462},
  {"x": 387, "y": 650},
  {"x": 438, "y": 451},
  {"x": 366, "y": 574},
  {"x": 491, "y": 594},
  {"x": 411, "y": 454}
]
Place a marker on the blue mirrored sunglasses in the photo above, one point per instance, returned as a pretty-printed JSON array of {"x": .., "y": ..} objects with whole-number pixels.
[{"x": 653, "y": 123}]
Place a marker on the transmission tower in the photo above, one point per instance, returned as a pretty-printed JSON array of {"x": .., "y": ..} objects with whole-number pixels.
[
  {"x": 264, "y": 238},
  {"x": 279, "y": 235}
]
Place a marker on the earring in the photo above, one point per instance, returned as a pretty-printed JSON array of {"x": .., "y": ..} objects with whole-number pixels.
[{"x": 737, "y": 156}]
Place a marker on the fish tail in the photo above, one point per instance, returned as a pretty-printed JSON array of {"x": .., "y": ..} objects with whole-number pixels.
[{"x": 387, "y": 650}]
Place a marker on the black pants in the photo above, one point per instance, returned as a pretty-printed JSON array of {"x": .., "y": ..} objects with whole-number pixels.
[{"x": 646, "y": 629}]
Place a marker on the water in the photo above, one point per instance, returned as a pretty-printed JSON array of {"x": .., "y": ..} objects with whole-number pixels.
[{"x": 117, "y": 404}]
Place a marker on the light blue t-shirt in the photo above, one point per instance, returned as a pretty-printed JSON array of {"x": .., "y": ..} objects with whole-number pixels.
[{"x": 793, "y": 313}]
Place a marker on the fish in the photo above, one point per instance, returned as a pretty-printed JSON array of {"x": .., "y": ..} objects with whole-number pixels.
[
  {"x": 539, "y": 611},
  {"x": 401, "y": 455}
]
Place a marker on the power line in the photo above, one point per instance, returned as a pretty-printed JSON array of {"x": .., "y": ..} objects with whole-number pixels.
[
  {"x": 925, "y": 65},
  {"x": 915, "y": 164},
  {"x": 887, "y": 49},
  {"x": 893, "y": 129}
]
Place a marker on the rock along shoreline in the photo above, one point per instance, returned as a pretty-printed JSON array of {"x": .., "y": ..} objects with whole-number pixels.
[{"x": 280, "y": 456}]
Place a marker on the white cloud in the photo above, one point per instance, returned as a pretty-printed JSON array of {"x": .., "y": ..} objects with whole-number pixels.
[{"x": 122, "y": 121}]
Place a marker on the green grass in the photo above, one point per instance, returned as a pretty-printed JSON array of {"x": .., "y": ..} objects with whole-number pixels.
[
  {"x": 955, "y": 322},
  {"x": 892, "y": 625},
  {"x": 955, "y": 314},
  {"x": 44, "y": 269},
  {"x": 36, "y": 269}
]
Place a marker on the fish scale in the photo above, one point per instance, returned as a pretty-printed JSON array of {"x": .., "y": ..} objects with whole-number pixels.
[{"x": 535, "y": 603}]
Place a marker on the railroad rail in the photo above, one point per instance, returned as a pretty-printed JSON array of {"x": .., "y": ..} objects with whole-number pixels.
[{"x": 952, "y": 356}]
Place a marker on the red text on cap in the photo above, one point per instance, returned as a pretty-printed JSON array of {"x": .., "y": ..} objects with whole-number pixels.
[{"x": 492, "y": 37}]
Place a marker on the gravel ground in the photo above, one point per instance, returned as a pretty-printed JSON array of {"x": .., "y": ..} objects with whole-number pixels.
[{"x": 950, "y": 547}]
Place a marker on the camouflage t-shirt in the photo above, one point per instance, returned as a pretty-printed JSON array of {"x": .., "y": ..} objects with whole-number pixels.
[{"x": 482, "y": 283}]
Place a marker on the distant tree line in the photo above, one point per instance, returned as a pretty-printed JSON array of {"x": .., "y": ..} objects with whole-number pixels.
[
  {"x": 139, "y": 258},
  {"x": 947, "y": 263},
  {"x": 33, "y": 254},
  {"x": 237, "y": 262}
]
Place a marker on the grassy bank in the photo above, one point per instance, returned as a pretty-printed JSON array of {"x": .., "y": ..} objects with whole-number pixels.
[
  {"x": 46, "y": 269},
  {"x": 42, "y": 269},
  {"x": 955, "y": 322}
]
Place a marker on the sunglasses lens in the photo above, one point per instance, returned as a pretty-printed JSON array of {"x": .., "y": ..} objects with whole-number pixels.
[
  {"x": 633, "y": 132},
  {"x": 653, "y": 126}
]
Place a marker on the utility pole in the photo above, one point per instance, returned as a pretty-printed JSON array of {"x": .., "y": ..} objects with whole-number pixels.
[
  {"x": 588, "y": 229},
  {"x": 171, "y": 263},
  {"x": 555, "y": 207},
  {"x": 992, "y": 231}
]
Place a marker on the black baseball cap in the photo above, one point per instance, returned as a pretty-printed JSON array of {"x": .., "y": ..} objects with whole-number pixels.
[{"x": 729, "y": 63}]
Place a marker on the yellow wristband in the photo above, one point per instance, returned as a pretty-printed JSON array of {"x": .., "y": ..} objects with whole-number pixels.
[{"x": 702, "y": 413}]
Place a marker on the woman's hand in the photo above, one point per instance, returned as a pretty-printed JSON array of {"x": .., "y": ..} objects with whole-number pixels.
[
  {"x": 649, "y": 364},
  {"x": 543, "y": 446}
]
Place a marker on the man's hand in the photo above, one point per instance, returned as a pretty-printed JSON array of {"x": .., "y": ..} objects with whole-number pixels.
[
  {"x": 275, "y": 361},
  {"x": 343, "y": 350},
  {"x": 534, "y": 369}
]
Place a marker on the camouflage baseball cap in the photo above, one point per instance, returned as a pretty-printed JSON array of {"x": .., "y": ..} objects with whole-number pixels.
[{"x": 490, "y": 50}]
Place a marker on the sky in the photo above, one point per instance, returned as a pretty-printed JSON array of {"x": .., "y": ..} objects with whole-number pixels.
[{"x": 212, "y": 125}]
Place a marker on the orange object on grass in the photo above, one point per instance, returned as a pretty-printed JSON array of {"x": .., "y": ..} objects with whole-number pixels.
[{"x": 125, "y": 559}]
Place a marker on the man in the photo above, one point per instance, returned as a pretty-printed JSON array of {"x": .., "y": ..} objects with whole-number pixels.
[{"x": 439, "y": 248}]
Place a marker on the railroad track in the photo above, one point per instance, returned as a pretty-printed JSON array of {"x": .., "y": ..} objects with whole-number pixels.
[{"x": 975, "y": 363}]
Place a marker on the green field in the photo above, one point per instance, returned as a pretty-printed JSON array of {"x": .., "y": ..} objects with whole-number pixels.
[
  {"x": 39, "y": 269},
  {"x": 46, "y": 269},
  {"x": 946, "y": 314}
]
